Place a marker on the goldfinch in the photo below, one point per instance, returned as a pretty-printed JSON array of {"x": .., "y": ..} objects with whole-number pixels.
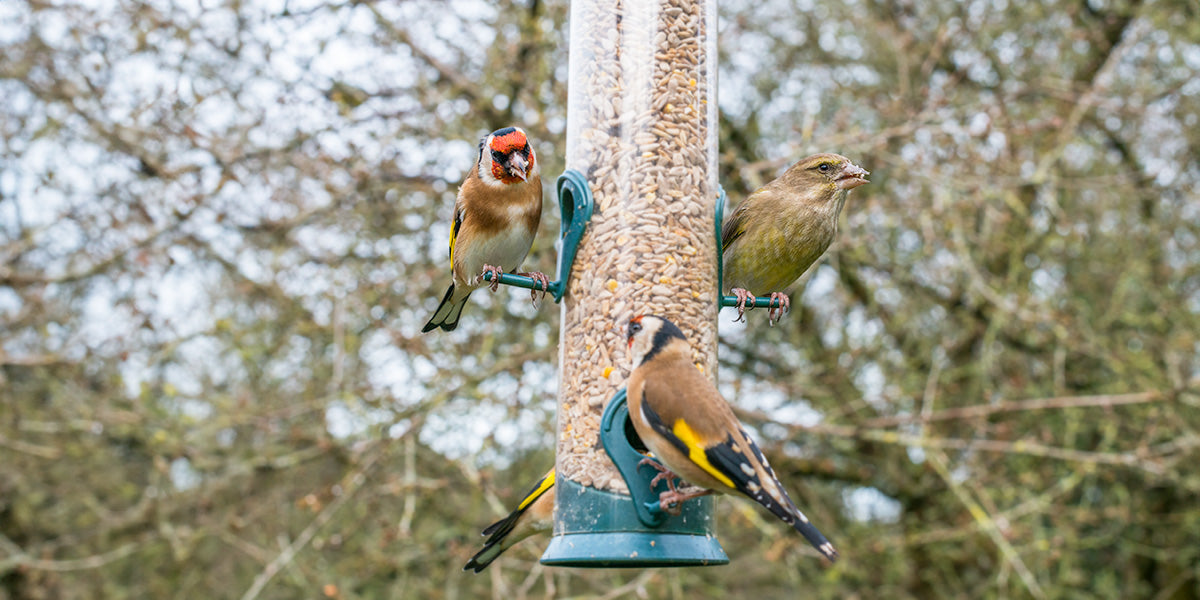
[
  {"x": 780, "y": 230},
  {"x": 532, "y": 516},
  {"x": 496, "y": 216},
  {"x": 690, "y": 428}
]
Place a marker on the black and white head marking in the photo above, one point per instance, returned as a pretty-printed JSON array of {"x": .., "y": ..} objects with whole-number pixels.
[{"x": 648, "y": 335}]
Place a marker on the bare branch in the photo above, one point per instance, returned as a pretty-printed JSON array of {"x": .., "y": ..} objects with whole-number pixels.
[{"x": 983, "y": 410}]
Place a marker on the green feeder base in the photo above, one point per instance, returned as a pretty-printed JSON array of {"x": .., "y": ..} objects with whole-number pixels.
[
  {"x": 631, "y": 549},
  {"x": 601, "y": 530}
]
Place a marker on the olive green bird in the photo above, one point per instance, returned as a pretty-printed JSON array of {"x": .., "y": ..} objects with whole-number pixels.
[{"x": 780, "y": 230}]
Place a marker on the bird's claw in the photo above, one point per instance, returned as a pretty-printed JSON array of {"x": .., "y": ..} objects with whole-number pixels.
[
  {"x": 743, "y": 296},
  {"x": 496, "y": 272},
  {"x": 775, "y": 313},
  {"x": 663, "y": 473},
  {"x": 671, "y": 502},
  {"x": 653, "y": 463},
  {"x": 543, "y": 283}
]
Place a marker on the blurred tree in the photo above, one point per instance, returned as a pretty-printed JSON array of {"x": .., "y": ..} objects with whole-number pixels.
[{"x": 223, "y": 226}]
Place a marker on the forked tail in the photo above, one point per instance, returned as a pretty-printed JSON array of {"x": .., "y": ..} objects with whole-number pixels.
[{"x": 447, "y": 313}]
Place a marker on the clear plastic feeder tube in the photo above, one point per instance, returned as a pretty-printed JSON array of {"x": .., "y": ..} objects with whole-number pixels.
[{"x": 642, "y": 128}]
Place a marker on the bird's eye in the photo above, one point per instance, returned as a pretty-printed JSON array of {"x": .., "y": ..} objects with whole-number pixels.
[
  {"x": 635, "y": 327},
  {"x": 497, "y": 156},
  {"x": 824, "y": 167}
]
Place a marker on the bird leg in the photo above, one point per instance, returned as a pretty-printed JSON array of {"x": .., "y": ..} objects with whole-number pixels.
[
  {"x": 542, "y": 281},
  {"x": 672, "y": 492},
  {"x": 663, "y": 473},
  {"x": 785, "y": 305},
  {"x": 743, "y": 296},
  {"x": 670, "y": 502},
  {"x": 496, "y": 272}
]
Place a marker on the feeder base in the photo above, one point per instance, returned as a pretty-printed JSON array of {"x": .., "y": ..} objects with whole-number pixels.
[
  {"x": 630, "y": 549},
  {"x": 600, "y": 529}
]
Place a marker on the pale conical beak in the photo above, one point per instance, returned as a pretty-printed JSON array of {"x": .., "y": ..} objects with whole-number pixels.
[
  {"x": 852, "y": 177},
  {"x": 517, "y": 166}
]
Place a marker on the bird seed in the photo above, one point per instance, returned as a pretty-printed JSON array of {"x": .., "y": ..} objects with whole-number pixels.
[{"x": 642, "y": 127}]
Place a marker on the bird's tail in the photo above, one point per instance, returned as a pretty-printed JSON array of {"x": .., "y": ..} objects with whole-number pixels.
[
  {"x": 504, "y": 534},
  {"x": 490, "y": 552},
  {"x": 447, "y": 313},
  {"x": 814, "y": 536},
  {"x": 764, "y": 488},
  {"x": 787, "y": 511}
]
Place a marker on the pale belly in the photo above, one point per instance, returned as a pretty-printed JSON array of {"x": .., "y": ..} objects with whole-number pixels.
[{"x": 506, "y": 250}]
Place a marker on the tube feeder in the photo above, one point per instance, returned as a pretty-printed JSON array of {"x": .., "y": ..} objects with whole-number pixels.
[{"x": 642, "y": 132}]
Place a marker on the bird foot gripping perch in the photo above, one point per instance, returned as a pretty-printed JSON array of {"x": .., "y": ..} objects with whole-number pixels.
[
  {"x": 775, "y": 313},
  {"x": 575, "y": 208},
  {"x": 670, "y": 500},
  {"x": 777, "y": 305}
]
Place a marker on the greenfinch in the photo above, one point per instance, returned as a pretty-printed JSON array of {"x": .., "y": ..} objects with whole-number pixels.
[
  {"x": 496, "y": 216},
  {"x": 692, "y": 431},
  {"x": 780, "y": 230},
  {"x": 533, "y": 515}
]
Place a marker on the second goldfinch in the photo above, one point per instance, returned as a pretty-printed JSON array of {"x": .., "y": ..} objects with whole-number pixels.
[
  {"x": 496, "y": 216},
  {"x": 780, "y": 230},
  {"x": 690, "y": 428},
  {"x": 533, "y": 515}
]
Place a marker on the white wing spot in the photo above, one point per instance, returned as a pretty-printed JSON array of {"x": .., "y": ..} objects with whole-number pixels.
[{"x": 748, "y": 470}]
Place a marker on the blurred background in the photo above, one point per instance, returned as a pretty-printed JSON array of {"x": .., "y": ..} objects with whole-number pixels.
[{"x": 223, "y": 223}]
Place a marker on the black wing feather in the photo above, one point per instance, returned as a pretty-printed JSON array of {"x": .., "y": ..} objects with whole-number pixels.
[
  {"x": 501, "y": 528},
  {"x": 454, "y": 229},
  {"x": 726, "y": 458}
]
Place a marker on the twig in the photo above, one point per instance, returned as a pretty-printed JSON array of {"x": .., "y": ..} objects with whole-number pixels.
[
  {"x": 981, "y": 410},
  {"x": 1129, "y": 459},
  {"x": 930, "y": 395},
  {"x": 627, "y": 589},
  {"x": 938, "y": 460},
  {"x": 350, "y": 484},
  {"x": 1099, "y": 85},
  {"x": 410, "y": 480},
  {"x": 1040, "y": 502},
  {"x": 32, "y": 449},
  {"x": 19, "y": 559},
  {"x": 456, "y": 79},
  {"x": 535, "y": 573}
]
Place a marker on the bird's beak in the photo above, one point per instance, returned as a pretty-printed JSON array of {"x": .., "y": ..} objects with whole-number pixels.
[
  {"x": 517, "y": 166},
  {"x": 852, "y": 177}
]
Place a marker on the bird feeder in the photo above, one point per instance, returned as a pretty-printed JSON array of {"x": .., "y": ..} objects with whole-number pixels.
[{"x": 642, "y": 133}]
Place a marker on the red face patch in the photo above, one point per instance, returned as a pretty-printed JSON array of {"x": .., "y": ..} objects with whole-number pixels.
[
  {"x": 509, "y": 142},
  {"x": 506, "y": 146},
  {"x": 502, "y": 174},
  {"x": 635, "y": 325}
]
